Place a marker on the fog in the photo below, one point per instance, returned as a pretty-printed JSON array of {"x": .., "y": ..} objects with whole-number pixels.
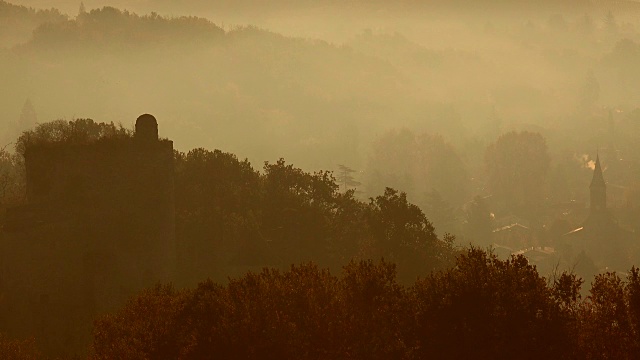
[
  {"x": 320, "y": 83},
  {"x": 508, "y": 125}
]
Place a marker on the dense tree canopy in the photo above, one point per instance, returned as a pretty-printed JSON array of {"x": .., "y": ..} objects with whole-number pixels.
[
  {"x": 489, "y": 309},
  {"x": 479, "y": 222},
  {"x": 78, "y": 131},
  {"x": 482, "y": 308},
  {"x": 12, "y": 186},
  {"x": 17, "y": 22},
  {"x": 231, "y": 216},
  {"x": 321, "y": 103},
  {"x": 16, "y": 349},
  {"x": 109, "y": 26}
]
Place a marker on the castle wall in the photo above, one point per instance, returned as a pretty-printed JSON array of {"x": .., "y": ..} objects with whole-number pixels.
[
  {"x": 99, "y": 227},
  {"x": 42, "y": 267},
  {"x": 122, "y": 192}
]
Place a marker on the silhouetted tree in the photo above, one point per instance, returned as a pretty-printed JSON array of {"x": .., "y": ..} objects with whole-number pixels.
[
  {"x": 349, "y": 230},
  {"x": 12, "y": 181},
  {"x": 481, "y": 308},
  {"x": 152, "y": 323},
  {"x": 417, "y": 164},
  {"x": 296, "y": 206},
  {"x": 217, "y": 213},
  {"x": 78, "y": 131},
  {"x": 517, "y": 165},
  {"x": 403, "y": 234},
  {"x": 607, "y": 331},
  {"x": 377, "y": 314},
  {"x": 14, "y": 349},
  {"x": 27, "y": 121},
  {"x": 633, "y": 301},
  {"x": 479, "y": 222},
  {"x": 345, "y": 179},
  {"x": 440, "y": 213},
  {"x": 28, "y": 117},
  {"x": 228, "y": 215},
  {"x": 301, "y": 313},
  {"x": 485, "y": 308}
]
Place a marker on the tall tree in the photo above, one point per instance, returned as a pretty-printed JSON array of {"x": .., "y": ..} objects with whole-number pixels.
[
  {"x": 28, "y": 117},
  {"x": 479, "y": 222},
  {"x": 403, "y": 234},
  {"x": 26, "y": 121},
  {"x": 296, "y": 212},
  {"x": 12, "y": 181},
  {"x": 82, "y": 10},
  {"x": 416, "y": 164},
  {"x": 517, "y": 165},
  {"x": 217, "y": 202},
  {"x": 77, "y": 131},
  {"x": 346, "y": 179},
  {"x": 440, "y": 213},
  {"x": 485, "y": 308}
]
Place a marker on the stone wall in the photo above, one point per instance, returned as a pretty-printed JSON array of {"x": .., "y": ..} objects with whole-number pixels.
[{"x": 99, "y": 227}]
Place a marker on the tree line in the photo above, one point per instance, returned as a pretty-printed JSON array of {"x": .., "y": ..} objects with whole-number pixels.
[
  {"x": 230, "y": 218},
  {"x": 481, "y": 308}
]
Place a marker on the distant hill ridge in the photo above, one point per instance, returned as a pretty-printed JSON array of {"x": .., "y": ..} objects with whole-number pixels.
[{"x": 184, "y": 7}]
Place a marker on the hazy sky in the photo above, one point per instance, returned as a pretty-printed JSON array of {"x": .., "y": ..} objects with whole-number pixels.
[
  {"x": 71, "y": 6},
  {"x": 340, "y": 78}
]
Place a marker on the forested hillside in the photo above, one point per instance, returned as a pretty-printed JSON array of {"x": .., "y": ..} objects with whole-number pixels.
[
  {"x": 18, "y": 22},
  {"x": 263, "y": 95},
  {"x": 332, "y": 180},
  {"x": 413, "y": 105},
  {"x": 483, "y": 308}
]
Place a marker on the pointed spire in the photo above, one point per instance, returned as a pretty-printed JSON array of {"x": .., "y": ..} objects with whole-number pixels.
[
  {"x": 598, "y": 179},
  {"x": 598, "y": 189}
]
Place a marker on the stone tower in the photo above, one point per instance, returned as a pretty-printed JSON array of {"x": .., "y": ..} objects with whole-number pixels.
[
  {"x": 98, "y": 227},
  {"x": 146, "y": 128}
]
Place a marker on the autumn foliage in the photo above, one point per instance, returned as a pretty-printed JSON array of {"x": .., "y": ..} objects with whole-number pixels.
[
  {"x": 482, "y": 308},
  {"x": 17, "y": 349}
]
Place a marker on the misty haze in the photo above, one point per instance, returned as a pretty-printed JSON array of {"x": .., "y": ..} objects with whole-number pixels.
[{"x": 321, "y": 179}]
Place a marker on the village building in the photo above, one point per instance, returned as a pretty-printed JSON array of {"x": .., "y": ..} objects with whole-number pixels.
[{"x": 599, "y": 237}]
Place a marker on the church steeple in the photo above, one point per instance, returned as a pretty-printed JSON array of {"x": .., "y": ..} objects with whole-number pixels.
[{"x": 598, "y": 189}]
